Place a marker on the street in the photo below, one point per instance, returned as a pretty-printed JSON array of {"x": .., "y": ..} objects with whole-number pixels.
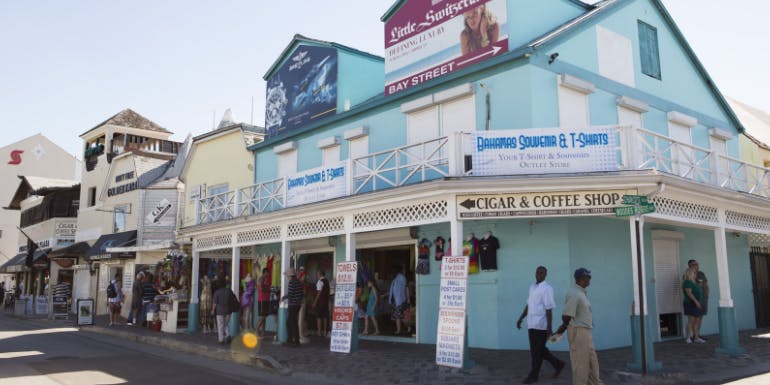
[{"x": 62, "y": 355}]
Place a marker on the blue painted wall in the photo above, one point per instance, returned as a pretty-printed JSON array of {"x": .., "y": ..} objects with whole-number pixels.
[
  {"x": 530, "y": 18},
  {"x": 360, "y": 78}
]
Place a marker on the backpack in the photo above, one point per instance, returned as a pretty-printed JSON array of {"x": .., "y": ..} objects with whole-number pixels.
[
  {"x": 111, "y": 292},
  {"x": 233, "y": 304}
]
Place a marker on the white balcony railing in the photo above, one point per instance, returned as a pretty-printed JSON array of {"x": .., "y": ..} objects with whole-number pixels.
[{"x": 639, "y": 149}]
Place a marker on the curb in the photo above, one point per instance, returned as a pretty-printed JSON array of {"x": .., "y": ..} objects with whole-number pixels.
[
  {"x": 661, "y": 378},
  {"x": 261, "y": 361}
]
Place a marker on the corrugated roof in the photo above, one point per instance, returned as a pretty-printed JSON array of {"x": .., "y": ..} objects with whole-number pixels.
[{"x": 129, "y": 118}]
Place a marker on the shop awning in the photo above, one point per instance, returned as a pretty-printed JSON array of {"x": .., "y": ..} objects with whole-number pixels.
[
  {"x": 99, "y": 249},
  {"x": 19, "y": 262},
  {"x": 15, "y": 264},
  {"x": 74, "y": 250}
]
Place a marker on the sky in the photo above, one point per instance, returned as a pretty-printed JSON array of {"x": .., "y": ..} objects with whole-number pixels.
[{"x": 66, "y": 66}]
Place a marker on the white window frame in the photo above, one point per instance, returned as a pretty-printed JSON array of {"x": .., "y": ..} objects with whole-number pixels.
[
  {"x": 574, "y": 108},
  {"x": 287, "y": 163},
  {"x": 121, "y": 211}
]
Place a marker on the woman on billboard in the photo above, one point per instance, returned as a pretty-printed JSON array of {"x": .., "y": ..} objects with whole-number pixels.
[{"x": 481, "y": 29}]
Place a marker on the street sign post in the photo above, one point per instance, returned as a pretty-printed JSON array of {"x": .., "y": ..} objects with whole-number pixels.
[{"x": 640, "y": 207}]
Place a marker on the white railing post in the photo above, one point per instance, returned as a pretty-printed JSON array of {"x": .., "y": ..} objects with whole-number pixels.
[
  {"x": 454, "y": 153},
  {"x": 350, "y": 177}
]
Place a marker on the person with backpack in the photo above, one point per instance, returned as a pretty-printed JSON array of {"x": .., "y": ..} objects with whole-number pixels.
[
  {"x": 115, "y": 298},
  {"x": 222, "y": 307}
]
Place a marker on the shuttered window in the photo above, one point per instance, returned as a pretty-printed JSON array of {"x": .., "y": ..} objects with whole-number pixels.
[{"x": 648, "y": 50}]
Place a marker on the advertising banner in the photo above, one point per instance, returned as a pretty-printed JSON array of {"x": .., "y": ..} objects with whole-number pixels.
[
  {"x": 317, "y": 184},
  {"x": 552, "y": 203},
  {"x": 303, "y": 89},
  {"x": 344, "y": 307},
  {"x": 429, "y": 39},
  {"x": 545, "y": 151},
  {"x": 450, "y": 339}
]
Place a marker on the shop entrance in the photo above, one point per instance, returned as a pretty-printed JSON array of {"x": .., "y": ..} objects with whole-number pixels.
[
  {"x": 668, "y": 284},
  {"x": 309, "y": 265},
  {"x": 381, "y": 266},
  {"x": 760, "y": 277}
]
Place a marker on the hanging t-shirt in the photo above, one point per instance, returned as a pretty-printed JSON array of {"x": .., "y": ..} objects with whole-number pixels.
[
  {"x": 471, "y": 250},
  {"x": 488, "y": 252},
  {"x": 439, "y": 243}
]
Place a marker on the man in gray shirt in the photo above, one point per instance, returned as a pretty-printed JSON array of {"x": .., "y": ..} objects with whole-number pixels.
[
  {"x": 221, "y": 309},
  {"x": 578, "y": 321}
]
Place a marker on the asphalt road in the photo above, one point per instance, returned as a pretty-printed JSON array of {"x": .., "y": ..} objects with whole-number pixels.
[{"x": 62, "y": 355}]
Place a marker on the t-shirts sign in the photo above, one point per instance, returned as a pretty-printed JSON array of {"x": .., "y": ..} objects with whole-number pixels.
[
  {"x": 344, "y": 307},
  {"x": 453, "y": 294}
]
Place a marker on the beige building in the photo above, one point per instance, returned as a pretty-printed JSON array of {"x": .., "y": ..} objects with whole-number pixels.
[
  {"x": 125, "y": 158},
  {"x": 33, "y": 156},
  {"x": 755, "y": 141}
]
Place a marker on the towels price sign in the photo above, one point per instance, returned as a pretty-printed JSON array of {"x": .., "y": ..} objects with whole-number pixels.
[{"x": 344, "y": 307}]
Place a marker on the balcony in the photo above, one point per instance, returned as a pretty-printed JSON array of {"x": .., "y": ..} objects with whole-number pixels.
[{"x": 637, "y": 149}]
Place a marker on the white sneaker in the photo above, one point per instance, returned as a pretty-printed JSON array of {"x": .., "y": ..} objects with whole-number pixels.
[
  {"x": 699, "y": 340},
  {"x": 688, "y": 340}
]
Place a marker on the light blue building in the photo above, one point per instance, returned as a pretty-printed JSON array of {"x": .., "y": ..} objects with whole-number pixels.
[{"x": 531, "y": 129}]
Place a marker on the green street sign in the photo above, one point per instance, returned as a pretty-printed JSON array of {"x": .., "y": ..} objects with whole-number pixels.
[
  {"x": 627, "y": 211},
  {"x": 634, "y": 199}
]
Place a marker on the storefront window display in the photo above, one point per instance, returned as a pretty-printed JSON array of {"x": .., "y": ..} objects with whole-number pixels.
[{"x": 380, "y": 265}]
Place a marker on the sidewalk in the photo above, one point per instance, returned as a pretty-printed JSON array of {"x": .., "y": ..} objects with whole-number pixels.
[{"x": 380, "y": 362}]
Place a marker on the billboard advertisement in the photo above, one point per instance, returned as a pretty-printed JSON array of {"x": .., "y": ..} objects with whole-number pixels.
[
  {"x": 302, "y": 90},
  {"x": 427, "y": 39}
]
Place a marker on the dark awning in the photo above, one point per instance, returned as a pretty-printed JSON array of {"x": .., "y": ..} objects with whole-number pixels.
[
  {"x": 99, "y": 249},
  {"x": 72, "y": 251},
  {"x": 15, "y": 264},
  {"x": 19, "y": 262}
]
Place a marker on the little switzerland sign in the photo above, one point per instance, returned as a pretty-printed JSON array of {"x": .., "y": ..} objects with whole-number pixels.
[{"x": 555, "y": 203}]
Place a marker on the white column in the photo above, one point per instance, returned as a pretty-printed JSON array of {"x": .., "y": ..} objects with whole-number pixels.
[
  {"x": 723, "y": 273},
  {"x": 455, "y": 226},
  {"x": 235, "y": 268},
  {"x": 196, "y": 257},
  {"x": 350, "y": 240},
  {"x": 285, "y": 263}
]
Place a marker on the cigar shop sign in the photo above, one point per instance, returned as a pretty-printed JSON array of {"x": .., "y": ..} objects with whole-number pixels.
[{"x": 552, "y": 203}]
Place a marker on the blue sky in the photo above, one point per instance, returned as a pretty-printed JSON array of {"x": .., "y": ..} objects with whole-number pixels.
[{"x": 68, "y": 65}]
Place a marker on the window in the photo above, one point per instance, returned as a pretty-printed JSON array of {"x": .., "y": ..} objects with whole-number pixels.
[
  {"x": 287, "y": 163},
  {"x": 648, "y": 50},
  {"x": 119, "y": 223},
  {"x": 91, "y": 196},
  {"x": 330, "y": 155}
]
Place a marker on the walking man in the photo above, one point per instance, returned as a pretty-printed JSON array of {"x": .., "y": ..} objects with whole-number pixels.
[
  {"x": 538, "y": 309},
  {"x": 295, "y": 296},
  {"x": 115, "y": 298},
  {"x": 321, "y": 304},
  {"x": 578, "y": 322},
  {"x": 221, "y": 309}
]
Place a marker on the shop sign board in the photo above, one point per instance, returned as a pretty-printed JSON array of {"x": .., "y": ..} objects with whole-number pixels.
[
  {"x": 85, "y": 310},
  {"x": 317, "y": 185},
  {"x": 545, "y": 151},
  {"x": 529, "y": 204},
  {"x": 344, "y": 307},
  {"x": 302, "y": 90},
  {"x": 425, "y": 40},
  {"x": 60, "y": 308},
  {"x": 450, "y": 339}
]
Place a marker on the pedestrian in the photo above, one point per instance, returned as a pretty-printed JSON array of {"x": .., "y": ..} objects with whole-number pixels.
[
  {"x": 221, "y": 309},
  {"x": 703, "y": 283},
  {"x": 2, "y": 295},
  {"x": 371, "y": 307},
  {"x": 538, "y": 311},
  {"x": 136, "y": 299},
  {"x": 263, "y": 299},
  {"x": 295, "y": 296},
  {"x": 693, "y": 305},
  {"x": 114, "y": 298},
  {"x": 578, "y": 322},
  {"x": 321, "y": 304},
  {"x": 149, "y": 291},
  {"x": 399, "y": 298}
]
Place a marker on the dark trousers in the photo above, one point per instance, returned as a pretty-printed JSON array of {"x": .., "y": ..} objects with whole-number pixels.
[
  {"x": 539, "y": 352},
  {"x": 292, "y": 324}
]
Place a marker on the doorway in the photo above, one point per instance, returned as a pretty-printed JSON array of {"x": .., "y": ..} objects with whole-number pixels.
[
  {"x": 760, "y": 278},
  {"x": 668, "y": 282},
  {"x": 380, "y": 265}
]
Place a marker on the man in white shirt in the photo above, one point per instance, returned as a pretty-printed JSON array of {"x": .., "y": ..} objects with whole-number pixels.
[{"x": 538, "y": 312}]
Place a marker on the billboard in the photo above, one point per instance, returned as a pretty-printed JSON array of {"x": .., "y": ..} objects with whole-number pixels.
[
  {"x": 302, "y": 90},
  {"x": 427, "y": 39}
]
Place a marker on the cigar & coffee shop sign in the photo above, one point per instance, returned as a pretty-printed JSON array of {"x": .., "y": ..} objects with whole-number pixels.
[{"x": 552, "y": 203}]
